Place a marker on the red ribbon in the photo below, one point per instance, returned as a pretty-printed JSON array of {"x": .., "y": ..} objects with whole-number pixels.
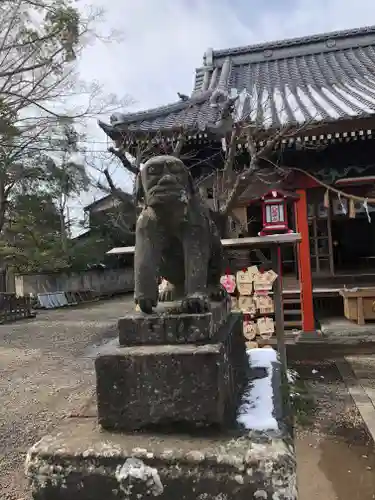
[{"x": 227, "y": 271}]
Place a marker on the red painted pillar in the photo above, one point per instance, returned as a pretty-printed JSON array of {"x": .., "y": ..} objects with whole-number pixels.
[{"x": 304, "y": 264}]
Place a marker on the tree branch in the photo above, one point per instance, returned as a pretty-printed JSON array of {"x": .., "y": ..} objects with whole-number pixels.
[
  {"x": 179, "y": 145},
  {"x": 228, "y": 166},
  {"x": 125, "y": 162},
  {"x": 24, "y": 69},
  {"x": 118, "y": 193},
  {"x": 242, "y": 179},
  {"x": 270, "y": 143}
]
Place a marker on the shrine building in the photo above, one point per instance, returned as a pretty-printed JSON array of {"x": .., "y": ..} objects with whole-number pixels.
[{"x": 322, "y": 177}]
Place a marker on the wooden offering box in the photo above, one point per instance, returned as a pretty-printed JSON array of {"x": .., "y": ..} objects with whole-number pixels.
[{"x": 359, "y": 304}]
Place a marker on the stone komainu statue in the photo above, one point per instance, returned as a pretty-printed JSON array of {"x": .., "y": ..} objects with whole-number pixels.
[{"x": 175, "y": 239}]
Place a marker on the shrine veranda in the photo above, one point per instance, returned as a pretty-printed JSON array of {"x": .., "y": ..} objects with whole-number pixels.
[{"x": 325, "y": 169}]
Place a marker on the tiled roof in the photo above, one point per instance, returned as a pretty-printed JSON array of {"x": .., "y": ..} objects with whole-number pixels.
[
  {"x": 318, "y": 78},
  {"x": 193, "y": 114},
  {"x": 106, "y": 199}
]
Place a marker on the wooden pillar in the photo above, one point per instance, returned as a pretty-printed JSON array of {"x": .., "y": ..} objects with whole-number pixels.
[
  {"x": 280, "y": 335},
  {"x": 279, "y": 308},
  {"x": 304, "y": 264}
]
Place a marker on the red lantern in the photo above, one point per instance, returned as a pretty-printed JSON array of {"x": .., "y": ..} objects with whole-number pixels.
[{"x": 274, "y": 214}]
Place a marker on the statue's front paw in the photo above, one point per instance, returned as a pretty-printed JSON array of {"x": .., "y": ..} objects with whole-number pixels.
[
  {"x": 146, "y": 305},
  {"x": 196, "y": 304}
]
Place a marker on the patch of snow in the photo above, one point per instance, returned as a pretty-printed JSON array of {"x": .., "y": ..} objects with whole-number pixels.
[
  {"x": 257, "y": 409},
  {"x": 135, "y": 470},
  {"x": 262, "y": 494},
  {"x": 292, "y": 376}
]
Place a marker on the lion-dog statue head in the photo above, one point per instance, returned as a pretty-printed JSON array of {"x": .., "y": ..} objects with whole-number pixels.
[{"x": 165, "y": 184}]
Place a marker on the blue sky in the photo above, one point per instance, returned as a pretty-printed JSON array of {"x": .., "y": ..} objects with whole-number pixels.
[{"x": 164, "y": 41}]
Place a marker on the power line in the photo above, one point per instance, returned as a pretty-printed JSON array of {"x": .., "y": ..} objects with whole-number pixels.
[{"x": 51, "y": 149}]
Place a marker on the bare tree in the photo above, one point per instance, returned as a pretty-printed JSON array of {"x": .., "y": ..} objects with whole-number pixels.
[
  {"x": 123, "y": 213},
  {"x": 40, "y": 90},
  {"x": 255, "y": 131}
]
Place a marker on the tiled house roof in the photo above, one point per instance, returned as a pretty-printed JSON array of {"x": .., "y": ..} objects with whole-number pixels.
[{"x": 319, "y": 78}]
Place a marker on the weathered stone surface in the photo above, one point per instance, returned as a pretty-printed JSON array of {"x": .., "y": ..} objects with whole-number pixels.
[
  {"x": 83, "y": 463},
  {"x": 176, "y": 238},
  {"x": 166, "y": 327},
  {"x": 162, "y": 384}
]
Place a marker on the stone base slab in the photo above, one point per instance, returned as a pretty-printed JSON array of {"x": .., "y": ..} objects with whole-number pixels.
[
  {"x": 167, "y": 326},
  {"x": 81, "y": 462},
  {"x": 163, "y": 384}
]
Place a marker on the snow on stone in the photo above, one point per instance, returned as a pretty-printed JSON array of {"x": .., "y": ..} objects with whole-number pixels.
[
  {"x": 292, "y": 376},
  {"x": 257, "y": 409},
  {"x": 136, "y": 470}
]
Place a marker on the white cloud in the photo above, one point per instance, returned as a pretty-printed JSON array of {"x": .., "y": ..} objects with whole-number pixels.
[
  {"x": 164, "y": 40},
  {"x": 163, "y": 43}
]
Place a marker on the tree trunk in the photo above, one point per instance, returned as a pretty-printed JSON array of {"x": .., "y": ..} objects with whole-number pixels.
[
  {"x": 3, "y": 205},
  {"x": 63, "y": 236}
]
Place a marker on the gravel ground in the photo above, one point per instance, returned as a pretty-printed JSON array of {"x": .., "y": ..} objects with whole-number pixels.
[
  {"x": 46, "y": 370},
  {"x": 335, "y": 456}
]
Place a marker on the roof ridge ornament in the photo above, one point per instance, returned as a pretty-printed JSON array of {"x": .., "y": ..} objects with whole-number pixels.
[
  {"x": 116, "y": 118},
  {"x": 208, "y": 57},
  {"x": 331, "y": 43}
]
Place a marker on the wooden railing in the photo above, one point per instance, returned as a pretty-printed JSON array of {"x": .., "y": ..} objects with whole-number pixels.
[{"x": 13, "y": 307}]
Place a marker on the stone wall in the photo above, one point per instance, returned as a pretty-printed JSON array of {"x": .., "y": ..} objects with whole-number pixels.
[{"x": 104, "y": 282}]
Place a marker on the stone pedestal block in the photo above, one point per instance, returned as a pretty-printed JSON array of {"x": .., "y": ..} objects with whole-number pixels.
[
  {"x": 168, "y": 327},
  {"x": 83, "y": 463},
  {"x": 162, "y": 384}
]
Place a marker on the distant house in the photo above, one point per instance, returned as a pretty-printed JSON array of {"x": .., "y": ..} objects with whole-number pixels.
[{"x": 112, "y": 217}]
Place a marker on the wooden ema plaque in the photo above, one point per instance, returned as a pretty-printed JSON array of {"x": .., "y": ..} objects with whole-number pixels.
[
  {"x": 250, "y": 329},
  {"x": 247, "y": 305},
  {"x": 266, "y": 327},
  {"x": 264, "y": 281},
  {"x": 244, "y": 282},
  {"x": 234, "y": 303},
  {"x": 243, "y": 277},
  {"x": 245, "y": 288},
  {"x": 264, "y": 304},
  {"x": 252, "y": 272},
  {"x": 253, "y": 300},
  {"x": 228, "y": 281}
]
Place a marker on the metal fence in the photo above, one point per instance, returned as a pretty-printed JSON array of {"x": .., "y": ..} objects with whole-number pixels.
[{"x": 13, "y": 307}]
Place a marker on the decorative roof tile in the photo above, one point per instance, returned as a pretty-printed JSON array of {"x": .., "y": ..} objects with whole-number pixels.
[{"x": 312, "y": 79}]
